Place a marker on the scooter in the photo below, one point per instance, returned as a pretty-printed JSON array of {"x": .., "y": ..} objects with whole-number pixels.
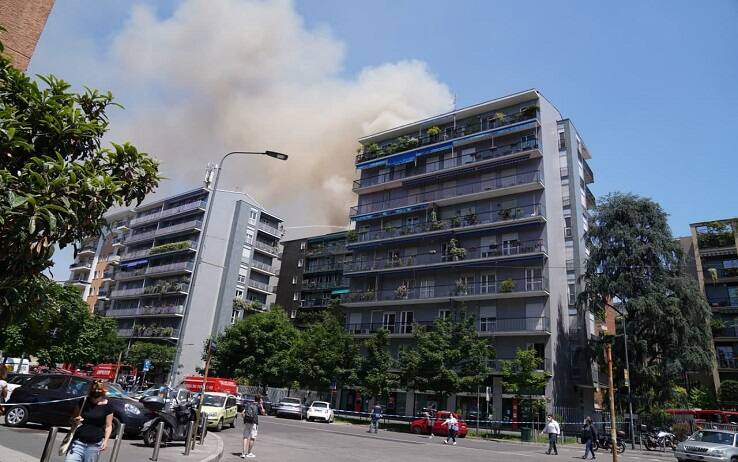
[
  {"x": 176, "y": 420},
  {"x": 605, "y": 442}
]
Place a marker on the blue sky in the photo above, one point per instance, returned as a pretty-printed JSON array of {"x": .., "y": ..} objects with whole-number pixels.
[{"x": 650, "y": 85}]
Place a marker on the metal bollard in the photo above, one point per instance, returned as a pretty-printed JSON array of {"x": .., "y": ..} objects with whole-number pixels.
[
  {"x": 190, "y": 425},
  {"x": 49, "y": 446},
  {"x": 159, "y": 433},
  {"x": 118, "y": 442},
  {"x": 203, "y": 428}
]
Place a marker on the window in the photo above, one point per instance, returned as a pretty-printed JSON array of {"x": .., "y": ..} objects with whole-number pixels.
[
  {"x": 533, "y": 279},
  {"x": 235, "y": 316},
  {"x": 465, "y": 285},
  {"x": 388, "y": 321},
  {"x": 488, "y": 247},
  {"x": 427, "y": 288},
  {"x": 510, "y": 244},
  {"x": 562, "y": 141},
  {"x": 444, "y": 314},
  {"x": 528, "y": 141},
  {"x": 54, "y": 382},
  {"x": 239, "y": 293},
  {"x": 253, "y": 215},
  {"x": 572, "y": 290},
  {"x": 249, "y": 237},
  {"x": 488, "y": 283},
  {"x": 406, "y": 322},
  {"x": 296, "y": 296},
  {"x": 300, "y": 262},
  {"x": 78, "y": 386},
  {"x": 294, "y": 279},
  {"x": 246, "y": 254},
  {"x": 487, "y": 318},
  {"x": 567, "y": 227},
  {"x": 241, "y": 279}
]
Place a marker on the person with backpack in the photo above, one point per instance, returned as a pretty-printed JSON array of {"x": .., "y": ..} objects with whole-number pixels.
[
  {"x": 376, "y": 415},
  {"x": 250, "y": 426},
  {"x": 589, "y": 435},
  {"x": 453, "y": 428}
]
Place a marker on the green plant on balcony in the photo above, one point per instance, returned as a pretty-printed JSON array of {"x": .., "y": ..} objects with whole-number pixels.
[
  {"x": 505, "y": 214},
  {"x": 713, "y": 272},
  {"x": 455, "y": 251},
  {"x": 181, "y": 245},
  {"x": 435, "y": 223},
  {"x": 405, "y": 142},
  {"x": 433, "y": 131},
  {"x": 155, "y": 289},
  {"x": 401, "y": 292},
  {"x": 460, "y": 287},
  {"x": 240, "y": 304},
  {"x": 456, "y": 221},
  {"x": 388, "y": 228},
  {"x": 167, "y": 331},
  {"x": 499, "y": 118},
  {"x": 368, "y": 295},
  {"x": 508, "y": 285},
  {"x": 472, "y": 126},
  {"x": 352, "y": 235},
  {"x": 470, "y": 218},
  {"x": 717, "y": 325},
  {"x": 530, "y": 112},
  {"x": 395, "y": 261}
]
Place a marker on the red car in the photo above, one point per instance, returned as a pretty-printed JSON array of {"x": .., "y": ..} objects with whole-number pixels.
[{"x": 420, "y": 426}]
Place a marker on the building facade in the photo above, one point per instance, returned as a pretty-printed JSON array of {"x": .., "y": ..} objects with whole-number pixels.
[
  {"x": 481, "y": 209},
  {"x": 712, "y": 248},
  {"x": 155, "y": 291},
  {"x": 311, "y": 274},
  {"x": 23, "y": 20}
]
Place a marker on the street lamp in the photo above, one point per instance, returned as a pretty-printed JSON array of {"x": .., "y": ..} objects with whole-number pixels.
[
  {"x": 627, "y": 376},
  {"x": 198, "y": 256}
]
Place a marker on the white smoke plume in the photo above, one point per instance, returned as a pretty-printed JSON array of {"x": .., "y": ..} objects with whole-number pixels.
[{"x": 249, "y": 75}]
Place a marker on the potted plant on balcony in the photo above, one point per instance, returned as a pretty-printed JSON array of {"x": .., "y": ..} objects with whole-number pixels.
[
  {"x": 456, "y": 221},
  {"x": 368, "y": 295},
  {"x": 470, "y": 218},
  {"x": 433, "y": 133},
  {"x": 530, "y": 112},
  {"x": 454, "y": 251},
  {"x": 499, "y": 118},
  {"x": 352, "y": 235},
  {"x": 395, "y": 261},
  {"x": 717, "y": 325},
  {"x": 504, "y": 214},
  {"x": 460, "y": 286},
  {"x": 388, "y": 228},
  {"x": 508, "y": 285},
  {"x": 435, "y": 224},
  {"x": 401, "y": 292}
]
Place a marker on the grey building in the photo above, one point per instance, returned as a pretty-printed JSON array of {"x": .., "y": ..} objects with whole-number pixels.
[
  {"x": 160, "y": 295},
  {"x": 482, "y": 208},
  {"x": 311, "y": 274}
]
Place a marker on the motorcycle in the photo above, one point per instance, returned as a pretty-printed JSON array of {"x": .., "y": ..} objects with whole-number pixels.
[
  {"x": 176, "y": 420},
  {"x": 660, "y": 439},
  {"x": 604, "y": 441}
]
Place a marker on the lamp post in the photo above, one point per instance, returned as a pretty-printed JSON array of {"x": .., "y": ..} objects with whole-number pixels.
[
  {"x": 198, "y": 255},
  {"x": 627, "y": 377}
]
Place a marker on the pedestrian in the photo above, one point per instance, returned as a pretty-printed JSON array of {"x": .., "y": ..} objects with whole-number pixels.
[
  {"x": 453, "y": 428},
  {"x": 3, "y": 387},
  {"x": 589, "y": 435},
  {"x": 376, "y": 415},
  {"x": 93, "y": 423},
  {"x": 428, "y": 421},
  {"x": 553, "y": 430},
  {"x": 251, "y": 413}
]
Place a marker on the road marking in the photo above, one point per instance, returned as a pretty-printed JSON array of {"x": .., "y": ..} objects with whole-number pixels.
[{"x": 316, "y": 428}]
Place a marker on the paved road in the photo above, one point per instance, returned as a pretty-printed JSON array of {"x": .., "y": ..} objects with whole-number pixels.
[{"x": 295, "y": 441}]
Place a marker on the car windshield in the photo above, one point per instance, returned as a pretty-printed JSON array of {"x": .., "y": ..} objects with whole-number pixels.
[
  {"x": 115, "y": 391},
  {"x": 713, "y": 437},
  {"x": 319, "y": 404},
  {"x": 291, "y": 401},
  {"x": 213, "y": 400}
]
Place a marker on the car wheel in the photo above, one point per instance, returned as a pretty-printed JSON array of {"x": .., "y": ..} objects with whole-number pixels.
[
  {"x": 416, "y": 430},
  {"x": 16, "y": 416},
  {"x": 219, "y": 427},
  {"x": 149, "y": 437}
]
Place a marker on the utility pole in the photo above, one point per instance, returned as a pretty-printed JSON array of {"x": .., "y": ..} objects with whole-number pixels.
[
  {"x": 198, "y": 416},
  {"x": 613, "y": 428}
]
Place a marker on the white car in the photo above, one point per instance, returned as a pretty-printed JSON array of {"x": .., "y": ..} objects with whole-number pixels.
[{"x": 320, "y": 410}]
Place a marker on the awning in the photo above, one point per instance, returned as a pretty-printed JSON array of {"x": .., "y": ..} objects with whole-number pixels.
[
  {"x": 134, "y": 263},
  {"x": 405, "y": 157},
  {"x": 339, "y": 291},
  {"x": 391, "y": 212}
]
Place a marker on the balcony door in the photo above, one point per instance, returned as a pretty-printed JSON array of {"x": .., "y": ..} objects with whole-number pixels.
[
  {"x": 510, "y": 244},
  {"x": 354, "y": 324},
  {"x": 388, "y": 321},
  {"x": 533, "y": 279},
  {"x": 406, "y": 322},
  {"x": 488, "y": 283},
  {"x": 427, "y": 288}
]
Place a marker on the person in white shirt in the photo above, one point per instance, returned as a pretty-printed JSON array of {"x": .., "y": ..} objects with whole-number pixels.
[
  {"x": 553, "y": 429},
  {"x": 453, "y": 428}
]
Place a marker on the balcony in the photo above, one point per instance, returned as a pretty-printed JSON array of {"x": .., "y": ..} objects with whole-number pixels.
[
  {"x": 196, "y": 205},
  {"x": 516, "y": 249},
  {"x": 498, "y": 327},
  {"x": 108, "y": 275},
  {"x": 723, "y": 303},
  {"x": 122, "y": 226},
  {"x": 175, "y": 288},
  {"x": 133, "y": 255},
  {"x": 517, "y": 288},
  {"x": 727, "y": 362},
  {"x": 150, "y": 332},
  {"x": 81, "y": 283},
  {"x": 406, "y": 143},
  {"x": 591, "y": 202},
  {"x": 588, "y": 175},
  {"x": 267, "y": 228},
  {"x": 144, "y": 219},
  {"x": 324, "y": 268},
  {"x": 122, "y": 293},
  {"x": 720, "y": 275},
  {"x": 726, "y": 333},
  {"x": 186, "y": 226},
  {"x": 140, "y": 237},
  {"x": 147, "y": 311},
  {"x": 260, "y": 286},
  {"x": 82, "y": 265},
  {"x": 315, "y": 303},
  {"x": 263, "y": 267},
  {"x": 172, "y": 268},
  {"x": 324, "y": 285},
  {"x": 137, "y": 273},
  {"x": 469, "y": 222},
  {"x": 267, "y": 248},
  {"x": 493, "y": 187},
  {"x": 87, "y": 250},
  {"x": 447, "y": 165},
  {"x": 315, "y": 251}
]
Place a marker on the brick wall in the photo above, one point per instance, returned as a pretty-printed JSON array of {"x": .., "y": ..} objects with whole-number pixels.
[{"x": 23, "y": 20}]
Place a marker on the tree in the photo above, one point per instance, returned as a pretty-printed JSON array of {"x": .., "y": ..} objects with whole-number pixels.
[
  {"x": 62, "y": 330},
  {"x": 729, "y": 394},
  {"x": 261, "y": 348},
  {"x": 327, "y": 353},
  {"x": 635, "y": 262},
  {"x": 448, "y": 358},
  {"x": 377, "y": 368},
  {"x": 56, "y": 179},
  {"x": 160, "y": 355},
  {"x": 524, "y": 378}
]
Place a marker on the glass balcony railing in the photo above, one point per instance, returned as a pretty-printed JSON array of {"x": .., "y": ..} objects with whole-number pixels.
[
  {"x": 168, "y": 310},
  {"x": 186, "y": 226},
  {"x": 326, "y": 267},
  {"x": 273, "y": 230},
  {"x": 454, "y": 223},
  {"x": 152, "y": 217},
  {"x": 405, "y": 143},
  {"x": 139, "y": 237},
  {"x": 258, "y": 285},
  {"x": 170, "y": 268},
  {"x": 490, "y": 327},
  {"x": 80, "y": 265},
  {"x": 315, "y": 303},
  {"x": 262, "y": 266},
  {"x": 723, "y": 302},
  {"x": 441, "y": 193},
  {"x": 727, "y": 362},
  {"x": 127, "y": 292},
  {"x": 131, "y": 273},
  {"x": 510, "y": 248},
  {"x": 501, "y": 287},
  {"x": 714, "y": 274},
  {"x": 268, "y": 248},
  {"x": 325, "y": 250},
  {"x": 446, "y": 164},
  {"x": 324, "y": 285},
  {"x": 149, "y": 332}
]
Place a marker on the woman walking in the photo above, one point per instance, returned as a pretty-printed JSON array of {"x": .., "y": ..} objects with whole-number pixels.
[
  {"x": 589, "y": 435},
  {"x": 93, "y": 423}
]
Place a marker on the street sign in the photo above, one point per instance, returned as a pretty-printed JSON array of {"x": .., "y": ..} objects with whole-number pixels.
[{"x": 147, "y": 365}]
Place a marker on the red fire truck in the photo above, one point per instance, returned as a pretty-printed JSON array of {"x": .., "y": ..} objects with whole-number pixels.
[{"x": 214, "y": 384}]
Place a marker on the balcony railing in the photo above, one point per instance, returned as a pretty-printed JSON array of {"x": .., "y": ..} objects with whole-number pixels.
[
  {"x": 720, "y": 273},
  {"x": 168, "y": 213},
  {"x": 501, "y": 287},
  {"x": 172, "y": 267},
  {"x": 262, "y": 266},
  {"x": 446, "y": 164},
  {"x": 127, "y": 292},
  {"x": 188, "y": 225},
  {"x": 80, "y": 265},
  {"x": 170, "y": 310},
  {"x": 87, "y": 249},
  {"x": 491, "y": 327},
  {"x": 323, "y": 268},
  {"x": 449, "y": 192},
  {"x": 268, "y": 228},
  {"x": 154, "y": 332},
  {"x": 258, "y": 285},
  {"x": 413, "y": 142},
  {"x": 264, "y": 247},
  {"x": 588, "y": 175},
  {"x": 145, "y": 219},
  {"x": 727, "y": 362},
  {"x": 137, "y": 237},
  {"x": 454, "y": 223},
  {"x": 727, "y": 332},
  {"x": 510, "y": 248},
  {"x": 324, "y": 285},
  {"x": 134, "y": 273},
  {"x": 315, "y": 303},
  {"x": 723, "y": 302},
  {"x": 326, "y": 250}
]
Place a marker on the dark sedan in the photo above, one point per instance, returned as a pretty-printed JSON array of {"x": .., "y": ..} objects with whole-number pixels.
[{"x": 60, "y": 388}]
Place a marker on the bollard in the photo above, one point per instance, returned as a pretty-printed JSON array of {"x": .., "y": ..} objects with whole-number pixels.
[
  {"x": 190, "y": 425},
  {"x": 159, "y": 432},
  {"x": 203, "y": 428},
  {"x": 49, "y": 446},
  {"x": 118, "y": 442}
]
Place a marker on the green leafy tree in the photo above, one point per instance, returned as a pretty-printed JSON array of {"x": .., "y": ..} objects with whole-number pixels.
[
  {"x": 56, "y": 179},
  {"x": 634, "y": 261},
  {"x": 449, "y": 358},
  {"x": 327, "y": 352},
  {"x": 377, "y": 370},
  {"x": 160, "y": 355},
  {"x": 729, "y": 394},
  {"x": 260, "y": 348},
  {"x": 523, "y": 377}
]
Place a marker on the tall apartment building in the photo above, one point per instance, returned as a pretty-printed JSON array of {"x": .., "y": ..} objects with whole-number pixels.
[
  {"x": 23, "y": 20},
  {"x": 157, "y": 292},
  {"x": 312, "y": 274},
  {"x": 713, "y": 247},
  {"x": 484, "y": 207}
]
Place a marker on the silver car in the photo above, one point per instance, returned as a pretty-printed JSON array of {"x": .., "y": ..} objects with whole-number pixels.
[
  {"x": 709, "y": 446},
  {"x": 290, "y": 407}
]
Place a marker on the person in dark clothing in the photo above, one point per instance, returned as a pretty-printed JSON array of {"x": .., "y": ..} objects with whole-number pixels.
[
  {"x": 94, "y": 423},
  {"x": 376, "y": 415},
  {"x": 589, "y": 435},
  {"x": 251, "y": 414}
]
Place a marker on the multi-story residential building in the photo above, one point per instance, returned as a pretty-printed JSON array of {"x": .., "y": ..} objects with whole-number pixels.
[
  {"x": 23, "y": 20},
  {"x": 160, "y": 295},
  {"x": 482, "y": 208},
  {"x": 312, "y": 274},
  {"x": 714, "y": 255}
]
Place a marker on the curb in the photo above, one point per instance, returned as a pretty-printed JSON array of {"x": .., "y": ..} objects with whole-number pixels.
[{"x": 218, "y": 452}]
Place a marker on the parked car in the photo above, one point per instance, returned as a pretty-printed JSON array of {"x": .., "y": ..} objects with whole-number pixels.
[
  {"x": 15, "y": 381},
  {"x": 420, "y": 426},
  {"x": 269, "y": 407},
  {"x": 51, "y": 387},
  {"x": 320, "y": 410},
  {"x": 290, "y": 407},
  {"x": 709, "y": 446},
  {"x": 221, "y": 409}
]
